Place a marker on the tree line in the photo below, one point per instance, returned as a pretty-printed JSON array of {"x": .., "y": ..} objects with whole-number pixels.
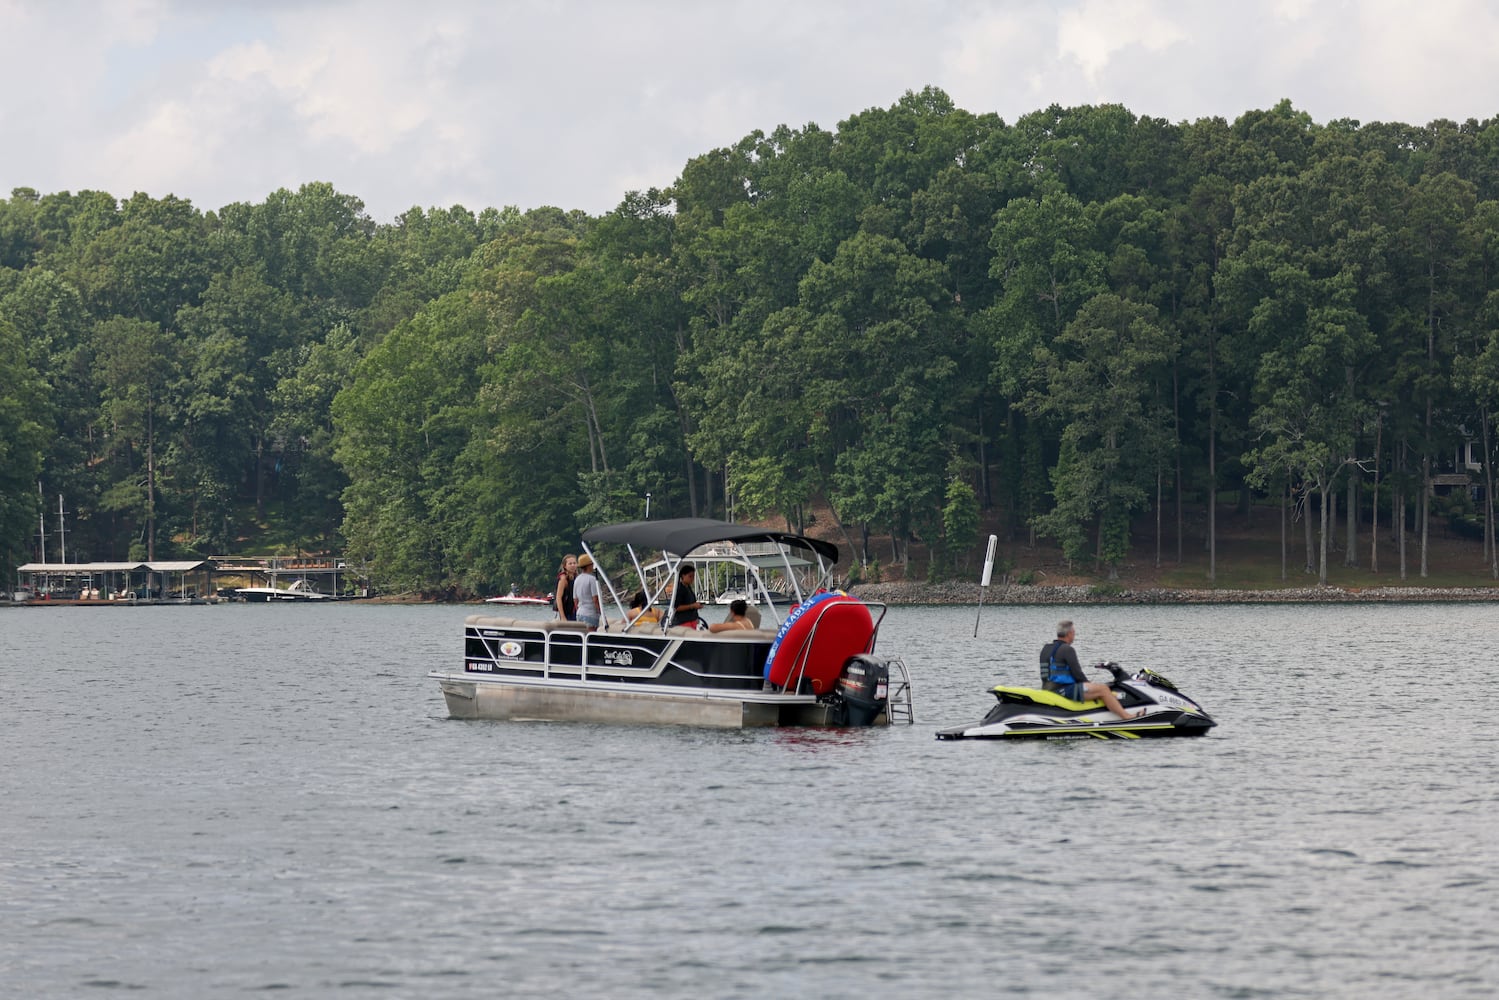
[{"x": 1076, "y": 322}]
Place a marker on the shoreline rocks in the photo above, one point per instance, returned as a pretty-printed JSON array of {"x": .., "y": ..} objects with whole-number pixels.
[{"x": 955, "y": 593}]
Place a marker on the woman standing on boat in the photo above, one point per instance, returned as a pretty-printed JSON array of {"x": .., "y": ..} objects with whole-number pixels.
[
  {"x": 684, "y": 603},
  {"x": 567, "y": 608}
]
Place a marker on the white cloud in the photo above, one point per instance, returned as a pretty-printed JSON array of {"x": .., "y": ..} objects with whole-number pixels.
[
  {"x": 572, "y": 102},
  {"x": 1094, "y": 32},
  {"x": 1291, "y": 10}
]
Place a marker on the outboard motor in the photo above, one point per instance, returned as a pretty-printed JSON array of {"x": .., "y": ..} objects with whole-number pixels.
[{"x": 862, "y": 690}]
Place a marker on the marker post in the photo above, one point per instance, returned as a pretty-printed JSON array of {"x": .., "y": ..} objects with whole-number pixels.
[{"x": 984, "y": 583}]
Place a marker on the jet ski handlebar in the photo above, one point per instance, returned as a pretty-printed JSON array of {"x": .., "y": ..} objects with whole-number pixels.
[
  {"x": 1143, "y": 674},
  {"x": 1120, "y": 674}
]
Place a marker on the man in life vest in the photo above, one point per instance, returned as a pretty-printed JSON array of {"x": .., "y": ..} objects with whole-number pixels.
[{"x": 1060, "y": 672}]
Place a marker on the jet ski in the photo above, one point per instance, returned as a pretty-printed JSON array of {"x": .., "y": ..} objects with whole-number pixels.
[{"x": 1037, "y": 714}]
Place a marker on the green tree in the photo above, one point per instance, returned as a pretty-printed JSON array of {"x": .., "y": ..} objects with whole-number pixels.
[
  {"x": 137, "y": 363},
  {"x": 1104, "y": 371},
  {"x": 22, "y": 438}
]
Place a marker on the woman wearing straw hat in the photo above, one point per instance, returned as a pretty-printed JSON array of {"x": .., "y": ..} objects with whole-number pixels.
[{"x": 586, "y": 592}]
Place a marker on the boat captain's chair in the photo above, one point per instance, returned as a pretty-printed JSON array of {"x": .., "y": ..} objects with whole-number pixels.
[{"x": 753, "y": 614}]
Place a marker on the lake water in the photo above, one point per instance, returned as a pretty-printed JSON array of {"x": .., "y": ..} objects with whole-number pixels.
[{"x": 212, "y": 801}]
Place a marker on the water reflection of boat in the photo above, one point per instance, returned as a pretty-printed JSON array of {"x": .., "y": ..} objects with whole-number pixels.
[
  {"x": 814, "y": 667},
  {"x": 299, "y": 590}
]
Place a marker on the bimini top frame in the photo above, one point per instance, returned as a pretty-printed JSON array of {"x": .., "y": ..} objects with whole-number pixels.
[{"x": 677, "y": 538}]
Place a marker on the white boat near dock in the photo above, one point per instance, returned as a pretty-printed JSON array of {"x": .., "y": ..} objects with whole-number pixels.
[{"x": 297, "y": 591}]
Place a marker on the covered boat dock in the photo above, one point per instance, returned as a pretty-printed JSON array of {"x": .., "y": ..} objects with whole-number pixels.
[{"x": 114, "y": 583}]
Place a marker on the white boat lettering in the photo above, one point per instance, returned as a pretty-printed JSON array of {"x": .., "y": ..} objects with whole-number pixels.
[{"x": 619, "y": 657}]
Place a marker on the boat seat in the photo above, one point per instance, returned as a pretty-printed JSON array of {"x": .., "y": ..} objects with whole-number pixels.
[
  {"x": 559, "y": 625},
  {"x": 496, "y": 622},
  {"x": 753, "y": 614},
  {"x": 1036, "y": 696},
  {"x": 535, "y": 624},
  {"x": 757, "y": 634},
  {"x": 621, "y": 625}
]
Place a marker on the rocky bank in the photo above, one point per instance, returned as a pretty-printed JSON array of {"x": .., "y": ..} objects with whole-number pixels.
[{"x": 954, "y": 592}]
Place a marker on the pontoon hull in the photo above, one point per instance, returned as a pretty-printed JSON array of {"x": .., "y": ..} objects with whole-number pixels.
[
  {"x": 1150, "y": 727},
  {"x": 585, "y": 702}
]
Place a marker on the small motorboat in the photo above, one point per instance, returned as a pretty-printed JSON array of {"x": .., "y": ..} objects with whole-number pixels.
[
  {"x": 516, "y": 599},
  {"x": 300, "y": 591},
  {"x": 1037, "y": 714}
]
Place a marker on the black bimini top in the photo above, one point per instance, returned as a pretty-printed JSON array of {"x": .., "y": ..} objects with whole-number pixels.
[{"x": 681, "y": 535}]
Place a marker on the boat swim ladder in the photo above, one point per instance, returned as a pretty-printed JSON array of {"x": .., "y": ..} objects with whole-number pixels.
[{"x": 898, "y": 704}]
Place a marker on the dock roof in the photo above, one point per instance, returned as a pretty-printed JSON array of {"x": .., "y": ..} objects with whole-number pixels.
[{"x": 117, "y": 567}]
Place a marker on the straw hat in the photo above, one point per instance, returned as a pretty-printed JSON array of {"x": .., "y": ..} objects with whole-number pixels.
[{"x": 585, "y": 561}]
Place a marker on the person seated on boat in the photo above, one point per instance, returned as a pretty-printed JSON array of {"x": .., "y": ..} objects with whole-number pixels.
[
  {"x": 684, "y": 603},
  {"x": 640, "y": 612},
  {"x": 567, "y": 607},
  {"x": 737, "y": 619},
  {"x": 1062, "y": 673},
  {"x": 586, "y": 593}
]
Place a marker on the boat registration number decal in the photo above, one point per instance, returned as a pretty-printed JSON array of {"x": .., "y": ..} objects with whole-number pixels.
[
  {"x": 619, "y": 657},
  {"x": 511, "y": 649},
  {"x": 480, "y": 667}
]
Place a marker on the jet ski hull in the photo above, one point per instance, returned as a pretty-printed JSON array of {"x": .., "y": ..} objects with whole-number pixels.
[{"x": 1028, "y": 713}]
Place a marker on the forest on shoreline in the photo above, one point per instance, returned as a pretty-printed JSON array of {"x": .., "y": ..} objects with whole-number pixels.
[{"x": 923, "y": 324}]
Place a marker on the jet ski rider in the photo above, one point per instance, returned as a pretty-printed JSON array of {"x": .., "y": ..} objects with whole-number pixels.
[{"x": 1060, "y": 672}]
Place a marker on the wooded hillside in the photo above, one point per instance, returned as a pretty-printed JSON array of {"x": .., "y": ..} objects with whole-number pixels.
[{"x": 1072, "y": 321}]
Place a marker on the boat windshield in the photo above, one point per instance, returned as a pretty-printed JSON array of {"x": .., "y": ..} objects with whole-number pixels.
[{"x": 765, "y": 567}]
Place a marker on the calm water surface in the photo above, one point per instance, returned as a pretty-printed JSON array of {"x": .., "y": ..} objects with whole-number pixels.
[{"x": 210, "y": 801}]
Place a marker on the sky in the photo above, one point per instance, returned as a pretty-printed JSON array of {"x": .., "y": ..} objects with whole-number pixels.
[{"x": 556, "y": 102}]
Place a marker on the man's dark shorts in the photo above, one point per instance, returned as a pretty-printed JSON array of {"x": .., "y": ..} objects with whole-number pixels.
[{"x": 1072, "y": 691}]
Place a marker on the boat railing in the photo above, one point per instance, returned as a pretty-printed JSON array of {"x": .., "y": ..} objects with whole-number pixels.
[{"x": 552, "y": 629}]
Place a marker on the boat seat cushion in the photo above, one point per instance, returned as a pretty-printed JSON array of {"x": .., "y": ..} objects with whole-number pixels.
[
  {"x": 496, "y": 622},
  {"x": 559, "y": 625},
  {"x": 1036, "y": 696},
  {"x": 757, "y": 634}
]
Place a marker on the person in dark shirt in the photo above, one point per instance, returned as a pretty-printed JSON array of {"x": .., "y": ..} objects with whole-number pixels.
[
  {"x": 562, "y": 599},
  {"x": 1061, "y": 672},
  {"x": 684, "y": 602}
]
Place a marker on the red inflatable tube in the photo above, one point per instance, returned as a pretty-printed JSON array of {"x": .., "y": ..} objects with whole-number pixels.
[{"x": 817, "y": 639}]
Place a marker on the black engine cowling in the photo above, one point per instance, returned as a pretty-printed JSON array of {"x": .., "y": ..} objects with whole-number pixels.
[{"x": 862, "y": 690}]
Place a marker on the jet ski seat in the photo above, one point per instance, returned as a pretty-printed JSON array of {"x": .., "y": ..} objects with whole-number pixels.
[{"x": 1036, "y": 696}]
